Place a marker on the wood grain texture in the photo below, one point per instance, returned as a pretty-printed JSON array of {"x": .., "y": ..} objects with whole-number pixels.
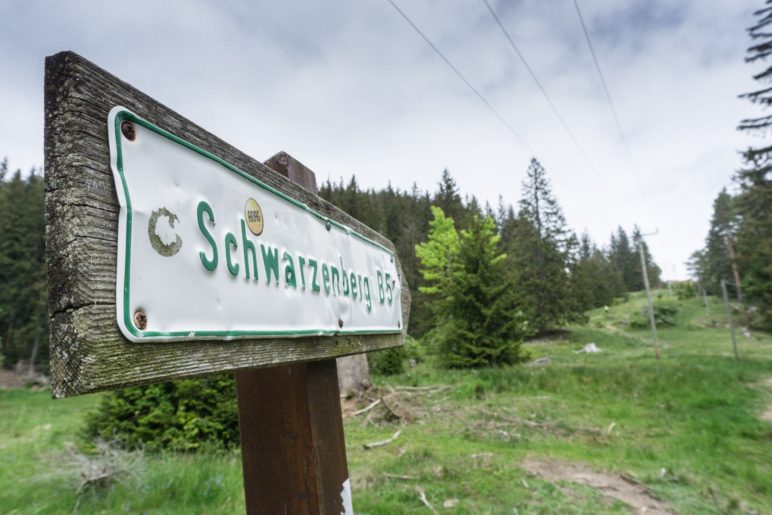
[
  {"x": 292, "y": 445},
  {"x": 88, "y": 353}
]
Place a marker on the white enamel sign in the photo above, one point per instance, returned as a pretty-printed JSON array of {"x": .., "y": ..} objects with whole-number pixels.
[{"x": 206, "y": 251}]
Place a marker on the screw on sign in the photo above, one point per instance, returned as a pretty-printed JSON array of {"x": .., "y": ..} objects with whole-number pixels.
[
  {"x": 140, "y": 319},
  {"x": 128, "y": 130},
  {"x": 153, "y": 301}
]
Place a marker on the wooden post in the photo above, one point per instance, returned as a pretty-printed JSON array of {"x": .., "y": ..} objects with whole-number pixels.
[
  {"x": 729, "y": 319},
  {"x": 292, "y": 444},
  {"x": 705, "y": 301},
  {"x": 648, "y": 298},
  {"x": 735, "y": 273}
]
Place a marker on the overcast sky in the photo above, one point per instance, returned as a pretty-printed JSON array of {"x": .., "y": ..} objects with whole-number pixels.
[{"x": 348, "y": 87}]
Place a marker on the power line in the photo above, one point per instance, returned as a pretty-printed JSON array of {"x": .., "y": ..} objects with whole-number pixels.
[
  {"x": 541, "y": 88},
  {"x": 633, "y": 170},
  {"x": 605, "y": 87},
  {"x": 463, "y": 78}
]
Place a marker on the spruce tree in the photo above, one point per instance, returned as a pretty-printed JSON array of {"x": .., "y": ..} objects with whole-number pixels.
[
  {"x": 712, "y": 263},
  {"x": 481, "y": 324},
  {"x": 625, "y": 258},
  {"x": 448, "y": 199},
  {"x": 539, "y": 250},
  {"x": 754, "y": 238},
  {"x": 652, "y": 269}
]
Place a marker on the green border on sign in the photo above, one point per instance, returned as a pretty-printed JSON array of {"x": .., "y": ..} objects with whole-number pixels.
[{"x": 127, "y": 319}]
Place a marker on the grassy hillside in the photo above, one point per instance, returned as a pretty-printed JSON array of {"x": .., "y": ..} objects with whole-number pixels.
[{"x": 560, "y": 435}]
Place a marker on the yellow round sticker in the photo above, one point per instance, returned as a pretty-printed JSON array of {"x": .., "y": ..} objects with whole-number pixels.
[{"x": 254, "y": 216}]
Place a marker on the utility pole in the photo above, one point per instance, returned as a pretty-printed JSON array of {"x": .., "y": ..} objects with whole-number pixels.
[
  {"x": 729, "y": 319},
  {"x": 648, "y": 293},
  {"x": 733, "y": 262}
]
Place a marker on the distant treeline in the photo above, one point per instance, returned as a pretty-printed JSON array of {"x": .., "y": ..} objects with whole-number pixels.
[
  {"x": 555, "y": 274},
  {"x": 23, "y": 297}
]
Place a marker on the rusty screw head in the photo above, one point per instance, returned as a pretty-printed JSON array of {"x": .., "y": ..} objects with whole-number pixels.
[
  {"x": 127, "y": 128},
  {"x": 140, "y": 319},
  {"x": 340, "y": 323}
]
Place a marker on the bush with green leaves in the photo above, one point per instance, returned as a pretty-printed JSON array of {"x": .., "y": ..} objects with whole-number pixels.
[
  {"x": 685, "y": 290},
  {"x": 184, "y": 415},
  {"x": 665, "y": 312},
  {"x": 387, "y": 362}
]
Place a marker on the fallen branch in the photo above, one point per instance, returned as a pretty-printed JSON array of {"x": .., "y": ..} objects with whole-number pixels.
[
  {"x": 424, "y": 389},
  {"x": 381, "y": 443},
  {"x": 400, "y": 476},
  {"x": 422, "y": 496},
  {"x": 391, "y": 411},
  {"x": 368, "y": 408}
]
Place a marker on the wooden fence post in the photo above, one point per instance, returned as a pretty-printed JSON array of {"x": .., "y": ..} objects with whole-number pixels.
[{"x": 729, "y": 319}]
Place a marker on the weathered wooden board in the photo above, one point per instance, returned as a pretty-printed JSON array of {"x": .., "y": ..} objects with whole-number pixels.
[{"x": 88, "y": 352}]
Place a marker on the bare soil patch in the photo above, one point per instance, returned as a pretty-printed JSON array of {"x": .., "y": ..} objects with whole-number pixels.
[
  {"x": 766, "y": 416},
  {"x": 10, "y": 379},
  {"x": 612, "y": 486}
]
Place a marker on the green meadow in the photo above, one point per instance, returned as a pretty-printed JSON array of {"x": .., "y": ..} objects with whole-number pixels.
[{"x": 560, "y": 434}]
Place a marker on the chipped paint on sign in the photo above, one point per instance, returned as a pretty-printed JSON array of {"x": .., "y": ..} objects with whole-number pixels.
[{"x": 163, "y": 239}]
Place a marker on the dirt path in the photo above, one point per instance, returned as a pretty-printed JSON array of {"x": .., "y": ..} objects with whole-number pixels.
[{"x": 611, "y": 486}]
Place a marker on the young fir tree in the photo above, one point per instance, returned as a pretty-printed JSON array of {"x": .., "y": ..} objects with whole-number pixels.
[
  {"x": 437, "y": 254},
  {"x": 480, "y": 322},
  {"x": 540, "y": 247},
  {"x": 754, "y": 237}
]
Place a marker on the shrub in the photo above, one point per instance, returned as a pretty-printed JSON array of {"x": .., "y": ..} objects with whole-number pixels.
[
  {"x": 416, "y": 350},
  {"x": 685, "y": 290},
  {"x": 387, "y": 362},
  {"x": 183, "y": 415},
  {"x": 665, "y": 312}
]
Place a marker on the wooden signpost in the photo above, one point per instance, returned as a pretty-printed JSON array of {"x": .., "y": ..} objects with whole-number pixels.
[{"x": 172, "y": 254}]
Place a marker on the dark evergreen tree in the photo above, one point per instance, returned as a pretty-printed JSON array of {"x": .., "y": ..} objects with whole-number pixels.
[
  {"x": 23, "y": 282},
  {"x": 539, "y": 250},
  {"x": 595, "y": 281},
  {"x": 754, "y": 236},
  {"x": 448, "y": 199},
  {"x": 625, "y": 258},
  {"x": 652, "y": 269},
  {"x": 712, "y": 264}
]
